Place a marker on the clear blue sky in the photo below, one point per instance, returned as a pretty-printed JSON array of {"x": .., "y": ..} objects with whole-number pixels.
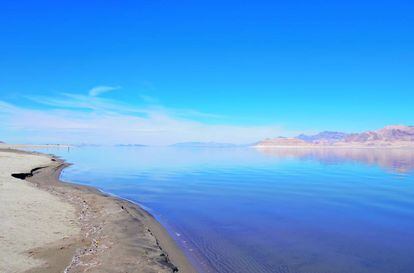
[{"x": 300, "y": 65}]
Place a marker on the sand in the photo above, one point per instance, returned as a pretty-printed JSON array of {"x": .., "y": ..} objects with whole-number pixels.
[
  {"x": 26, "y": 213},
  {"x": 50, "y": 226}
]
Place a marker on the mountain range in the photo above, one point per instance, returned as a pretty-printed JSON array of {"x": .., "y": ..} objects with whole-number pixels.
[{"x": 389, "y": 136}]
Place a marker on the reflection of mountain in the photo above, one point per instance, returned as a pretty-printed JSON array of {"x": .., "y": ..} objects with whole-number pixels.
[
  {"x": 390, "y": 136},
  {"x": 399, "y": 160}
]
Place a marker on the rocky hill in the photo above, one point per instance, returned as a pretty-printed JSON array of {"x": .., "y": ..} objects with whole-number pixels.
[
  {"x": 389, "y": 136},
  {"x": 283, "y": 141},
  {"x": 324, "y": 137}
]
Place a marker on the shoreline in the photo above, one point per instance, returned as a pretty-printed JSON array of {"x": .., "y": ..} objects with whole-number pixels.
[{"x": 116, "y": 235}]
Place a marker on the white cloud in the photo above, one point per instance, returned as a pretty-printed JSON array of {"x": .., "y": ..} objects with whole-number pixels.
[
  {"x": 98, "y": 90},
  {"x": 78, "y": 119}
]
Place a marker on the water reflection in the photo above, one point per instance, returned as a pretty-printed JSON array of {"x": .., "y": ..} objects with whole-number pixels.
[
  {"x": 396, "y": 160},
  {"x": 271, "y": 210}
]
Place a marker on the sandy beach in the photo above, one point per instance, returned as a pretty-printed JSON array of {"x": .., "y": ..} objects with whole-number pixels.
[{"x": 47, "y": 225}]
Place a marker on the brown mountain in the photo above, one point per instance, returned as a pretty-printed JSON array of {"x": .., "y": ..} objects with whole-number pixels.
[
  {"x": 389, "y": 133},
  {"x": 390, "y": 136},
  {"x": 327, "y": 137},
  {"x": 283, "y": 141}
]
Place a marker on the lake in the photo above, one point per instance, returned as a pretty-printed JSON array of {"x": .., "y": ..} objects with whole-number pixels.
[{"x": 275, "y": 210}]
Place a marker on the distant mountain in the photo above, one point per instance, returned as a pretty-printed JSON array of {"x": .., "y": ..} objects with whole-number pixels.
[
  {"x": 131, "y": 145},
  {"x": 86, "y": 145},
  {"x": 328, "y": 137},
  {"x": 390, "y": 136},
  {"x": 204, "y": 144},
  {"x": 283, "y": 141}
]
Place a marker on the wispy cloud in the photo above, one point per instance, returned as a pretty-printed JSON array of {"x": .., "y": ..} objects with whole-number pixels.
[
  {"x": 86, "y": 103},
  {"x": 76, "y": 118},
  {"x": 98, "y": 90}
]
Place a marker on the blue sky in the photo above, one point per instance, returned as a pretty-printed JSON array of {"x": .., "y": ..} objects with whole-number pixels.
[{"x": 210, "y": 69}]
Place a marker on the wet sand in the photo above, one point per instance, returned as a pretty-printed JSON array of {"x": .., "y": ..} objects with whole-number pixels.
[{"x": 52, "y": 226}]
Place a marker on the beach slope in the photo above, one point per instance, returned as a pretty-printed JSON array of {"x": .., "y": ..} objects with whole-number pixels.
[{"x": 50, "y": 226}]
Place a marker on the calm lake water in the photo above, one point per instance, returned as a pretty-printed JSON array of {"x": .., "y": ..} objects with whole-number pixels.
[{"x": 285, "y": 210}]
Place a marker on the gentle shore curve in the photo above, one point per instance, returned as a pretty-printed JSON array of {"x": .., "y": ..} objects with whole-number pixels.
[{"x": 109, "y": 234}]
